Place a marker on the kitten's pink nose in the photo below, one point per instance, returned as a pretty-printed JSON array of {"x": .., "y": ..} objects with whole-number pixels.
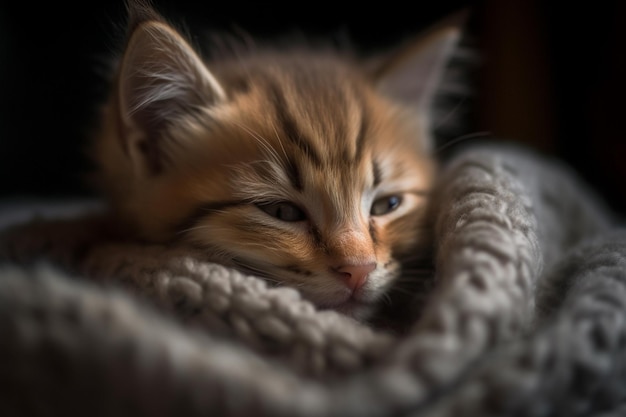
[{"x": 355, "y": 275}]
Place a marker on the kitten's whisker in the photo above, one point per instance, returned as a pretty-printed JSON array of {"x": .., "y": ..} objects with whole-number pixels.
[
  {"x": 262, "y": 141},
  {"x": 274, "y": 282},
  {"x": 254, "y": 270},
  {"x": 212, "y": 210},
  {"x": 450, "y": 113},
  {"x": 386, "y": 298},
  {"x": 280, "y": 142},
  {"x": 248, "y": 269},
  {"x": 461, "y": 139},
  {"x": 197, "y": 226},
  {"x": 264, "y": 245},
  {"x": 269, "y": 150},
  {"x": 190, "y": 229}
]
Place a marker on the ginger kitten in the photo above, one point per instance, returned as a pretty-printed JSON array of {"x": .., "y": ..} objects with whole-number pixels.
[{"x": 309, "y": 168}]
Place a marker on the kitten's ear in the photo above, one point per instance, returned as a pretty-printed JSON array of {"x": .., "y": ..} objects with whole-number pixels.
[
  {"x": 161, "y": 78},
  {"x": 412, "y": 73}
]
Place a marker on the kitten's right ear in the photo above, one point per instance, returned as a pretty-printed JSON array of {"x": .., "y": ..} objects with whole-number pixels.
[
  {"x": 161, "y": 78},
  {"x": 412, "y": 73}
]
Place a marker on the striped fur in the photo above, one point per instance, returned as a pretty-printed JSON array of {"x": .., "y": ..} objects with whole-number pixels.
[{"x": 272, "y": 161}]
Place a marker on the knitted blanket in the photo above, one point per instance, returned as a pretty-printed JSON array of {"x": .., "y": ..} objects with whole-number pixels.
[{"x": 526, "y": 316}]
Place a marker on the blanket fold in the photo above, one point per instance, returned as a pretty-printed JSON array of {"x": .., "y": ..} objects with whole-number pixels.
[{"x": 526, "y": 316}]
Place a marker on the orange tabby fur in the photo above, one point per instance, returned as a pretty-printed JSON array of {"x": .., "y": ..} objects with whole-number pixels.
[{"x": 218, "y": 154}]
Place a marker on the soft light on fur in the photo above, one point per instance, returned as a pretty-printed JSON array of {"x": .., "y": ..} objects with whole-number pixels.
[{"x": 308, "y": 168}]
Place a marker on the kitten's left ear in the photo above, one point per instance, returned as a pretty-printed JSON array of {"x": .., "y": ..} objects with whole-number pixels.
[
  {"x": 413, "y": 72},
  {"x": 161, "y": 78}
]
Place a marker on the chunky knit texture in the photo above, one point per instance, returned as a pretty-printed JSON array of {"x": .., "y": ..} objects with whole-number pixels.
[{"x": 527, "y": 317}]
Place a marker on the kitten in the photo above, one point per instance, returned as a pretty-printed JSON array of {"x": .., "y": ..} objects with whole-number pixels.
[{"x": 309, "y": 168}]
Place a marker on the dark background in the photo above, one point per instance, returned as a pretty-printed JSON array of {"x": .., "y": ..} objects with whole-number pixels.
[{"x": 551, "y": 76}]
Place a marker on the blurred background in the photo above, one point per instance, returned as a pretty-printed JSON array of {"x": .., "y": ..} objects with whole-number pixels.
[{"x": 549, "y": 77}]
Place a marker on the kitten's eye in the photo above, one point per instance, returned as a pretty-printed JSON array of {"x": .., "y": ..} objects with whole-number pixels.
[
  {"x": 285, "y": 211},
  {"x": 385, "y": 205}
]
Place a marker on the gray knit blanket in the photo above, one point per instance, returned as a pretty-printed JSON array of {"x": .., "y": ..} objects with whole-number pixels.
[{"x": 526, "y": 316}]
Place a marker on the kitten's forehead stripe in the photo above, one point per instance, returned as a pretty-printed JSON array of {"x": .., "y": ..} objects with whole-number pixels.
[
  {"x": 360, "y": 138},
  {"x": 294, "y": 175},
  {"x": 377, "y": 173},
  {"x": 291, "y": 130},
  {"x": 323, "y": 116}
]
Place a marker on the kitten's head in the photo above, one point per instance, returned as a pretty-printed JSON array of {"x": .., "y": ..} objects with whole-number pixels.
[{"x": 310, "y": 169}]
